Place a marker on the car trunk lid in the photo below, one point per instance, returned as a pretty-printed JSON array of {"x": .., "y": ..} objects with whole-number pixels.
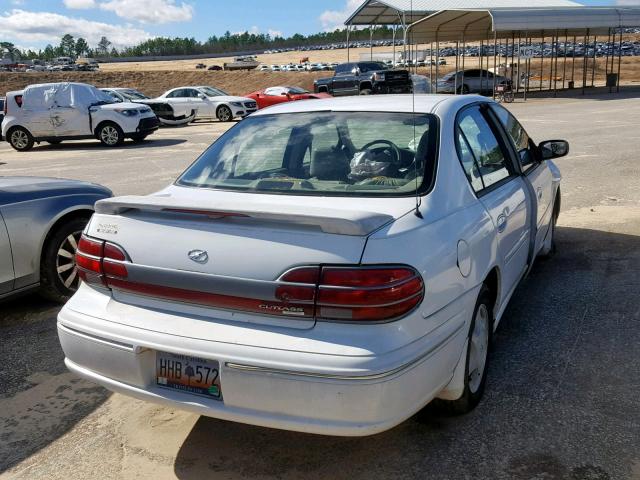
[{"x": 218, "y": 249}]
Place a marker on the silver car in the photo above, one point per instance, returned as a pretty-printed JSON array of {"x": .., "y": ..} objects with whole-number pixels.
[
  {"x": 470, "y": 81},
  {"x": 41, "y": 220}
]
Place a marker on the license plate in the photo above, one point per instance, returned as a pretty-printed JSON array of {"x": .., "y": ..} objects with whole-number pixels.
[{"x": 188, "y": 374}]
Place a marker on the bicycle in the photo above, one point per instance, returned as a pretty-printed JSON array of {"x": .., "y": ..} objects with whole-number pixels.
[{"x": 504, "y": 93}]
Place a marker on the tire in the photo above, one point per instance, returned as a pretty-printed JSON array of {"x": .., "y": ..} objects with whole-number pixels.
[
  {"x": 509, "y": 97},
  {"x": 474, "y": 382},
  {"x": 365, "y": 91},
  {"x": 54, "y": 142},
  {"x": 55, "y": 285},
  {"x": 138, "y": 138},
  {"x": 224, "y": 113},
  {"x": 20, "y": 139},
  {"x": 110, "y": 134}
]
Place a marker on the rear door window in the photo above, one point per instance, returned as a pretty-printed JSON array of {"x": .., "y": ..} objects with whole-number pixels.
[
  {"x": 178, "y": 94},
  {"x": 490, "y": 158}
]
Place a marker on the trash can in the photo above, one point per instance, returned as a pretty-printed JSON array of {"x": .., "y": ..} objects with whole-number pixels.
[{"x": 612, "y": 79}]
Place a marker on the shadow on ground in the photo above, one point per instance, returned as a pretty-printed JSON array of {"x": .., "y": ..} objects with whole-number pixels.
[
  {"x": 561, "y": 400},
  {"x": 96, "y": 145},
  {"x": 39, "y": 399}
]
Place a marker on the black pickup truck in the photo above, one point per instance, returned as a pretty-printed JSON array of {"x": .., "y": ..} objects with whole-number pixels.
[{"x": 364, "y": 78}]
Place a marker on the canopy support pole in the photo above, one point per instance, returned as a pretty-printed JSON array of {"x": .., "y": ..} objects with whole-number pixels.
[
  {"x": 518, "y": 72},
  {"x": 573, "y": 66},
  {"x": 619, "y": 62},
  {"x": 495, "y": 60},
  {"x": 556, "y": 44},
  {"x": 455, "y": 78},
  {"x": 585, "y": 58},
  {"x": 348, "y": 47},
  {"x": 564, "y": 63},
  {"x": 437, "y": 60},
  {"x": 542, "y": 62},
  {"x": 431, "y": 65},
  {"x": 371, "y": 42},
  {"x": 464, "y": 49},
  {"x": 593, "y": 70},
  {"x": 393, "y": 41}
]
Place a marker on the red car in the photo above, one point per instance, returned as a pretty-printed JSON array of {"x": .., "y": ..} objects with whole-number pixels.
[{"x": 275, "y": 95}]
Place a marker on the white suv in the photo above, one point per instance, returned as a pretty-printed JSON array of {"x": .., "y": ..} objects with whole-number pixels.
[{"x": 54, "y": 112}]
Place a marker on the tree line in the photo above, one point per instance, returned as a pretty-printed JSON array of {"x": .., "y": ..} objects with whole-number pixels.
[{"x": 228, "y": 43}]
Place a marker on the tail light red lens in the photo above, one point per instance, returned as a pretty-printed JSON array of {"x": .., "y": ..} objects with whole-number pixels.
[
  {"x": 97, "y": 261},
  {"x": 18, "y": 99},
  {"x": 358, "y": 294},
  {"x": 354, "y": 293},
  {"x": 368, "y": 293}
]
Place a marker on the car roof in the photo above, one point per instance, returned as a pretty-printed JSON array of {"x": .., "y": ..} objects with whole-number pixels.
[{"x": 420, "y": 103}]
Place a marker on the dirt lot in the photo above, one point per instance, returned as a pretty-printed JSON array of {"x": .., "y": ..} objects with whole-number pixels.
[{"x": 563, "y": 388}]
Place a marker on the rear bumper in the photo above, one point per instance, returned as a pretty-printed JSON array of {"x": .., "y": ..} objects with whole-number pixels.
[{"x": 257, "y": 386}]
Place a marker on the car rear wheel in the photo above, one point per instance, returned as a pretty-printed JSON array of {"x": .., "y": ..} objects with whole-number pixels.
[
  {"x": 110, "y": 135},
  {"x": 477, "y": 361},
  {"x": 20, "y": 139},
  {"x": 58, "y": 271},
  {"x": 224, "y": 113}
]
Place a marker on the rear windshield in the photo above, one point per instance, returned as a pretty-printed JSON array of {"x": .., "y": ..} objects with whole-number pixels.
[{"x": 321, "y": 153}]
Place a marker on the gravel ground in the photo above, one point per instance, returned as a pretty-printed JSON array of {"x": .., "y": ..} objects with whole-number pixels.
[{"x": 563, "y": 387}]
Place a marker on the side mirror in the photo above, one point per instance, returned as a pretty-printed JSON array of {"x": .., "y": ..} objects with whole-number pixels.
[
  {"x": 202, "y": 96},
  {"x": 554, "y": 149}
]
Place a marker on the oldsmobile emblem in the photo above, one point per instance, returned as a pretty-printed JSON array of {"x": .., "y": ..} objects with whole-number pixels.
[{"x": 199, "y": 256}]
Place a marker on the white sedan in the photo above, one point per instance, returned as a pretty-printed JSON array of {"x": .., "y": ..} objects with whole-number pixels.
[
  {"x": 327, "y": 267},
  {"x": 210, "y": 102}
]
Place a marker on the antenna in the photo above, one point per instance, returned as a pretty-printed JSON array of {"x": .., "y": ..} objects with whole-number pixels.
[{"x": 413, "y": 108}]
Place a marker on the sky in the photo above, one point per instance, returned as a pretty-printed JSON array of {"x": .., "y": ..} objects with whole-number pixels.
[{"x": 35, "y": 23}]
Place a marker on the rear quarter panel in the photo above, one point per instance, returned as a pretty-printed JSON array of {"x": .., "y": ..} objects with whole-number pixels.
[
  {"x": 453, "y": 245},
  {"x": 29, "y": 222}
]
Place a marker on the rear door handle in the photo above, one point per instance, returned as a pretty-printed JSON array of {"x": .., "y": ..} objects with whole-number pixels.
[{"x": 502, "y": 223}]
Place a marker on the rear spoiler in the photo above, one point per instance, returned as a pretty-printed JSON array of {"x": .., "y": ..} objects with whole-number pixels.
[{"x": 329, "y": 220}]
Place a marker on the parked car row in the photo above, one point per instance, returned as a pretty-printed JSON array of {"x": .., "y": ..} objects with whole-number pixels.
[
  {"x": 58, "y": 112},
  {"x": 302, "y": 67}
]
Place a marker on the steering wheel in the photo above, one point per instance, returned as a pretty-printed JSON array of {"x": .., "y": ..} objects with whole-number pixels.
[{"x": 394, "y": 149}]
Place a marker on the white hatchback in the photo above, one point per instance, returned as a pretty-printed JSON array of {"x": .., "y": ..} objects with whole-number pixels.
[{"x": 326, "y": 267}]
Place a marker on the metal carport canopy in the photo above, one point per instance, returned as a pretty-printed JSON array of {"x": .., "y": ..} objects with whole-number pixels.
[
  {"x": 481, "y": 24},
  {"x": 394, "y": 12}
]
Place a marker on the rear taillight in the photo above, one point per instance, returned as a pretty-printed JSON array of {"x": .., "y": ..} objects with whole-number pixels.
[
  {"x": 4, "y": 108},
  {"x": 18, "y": 99},
  {"x": 98, "y": 261},
  {"x": 359, "y": 294},
  {"x": 354, "y": 294}
]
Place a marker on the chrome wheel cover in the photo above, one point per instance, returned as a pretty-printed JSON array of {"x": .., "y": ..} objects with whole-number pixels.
[
  {"x": 224, "y": 114},
  {"x": 66, "y": 261},
  {"x": 478, "y": 348},
  {"x": 109, "y": 135},
  {"x": 19, "y": 139}
]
